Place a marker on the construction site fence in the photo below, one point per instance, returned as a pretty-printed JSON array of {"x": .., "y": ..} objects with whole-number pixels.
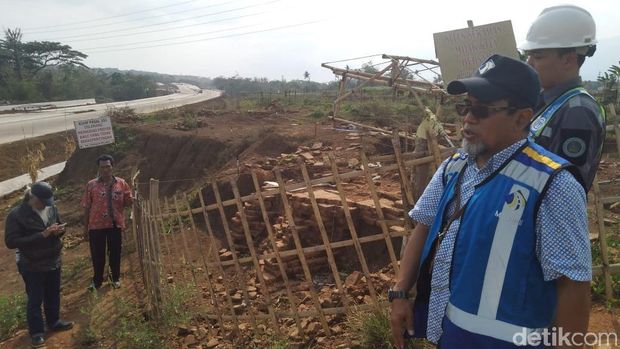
[{"x": 294, "y": 252}]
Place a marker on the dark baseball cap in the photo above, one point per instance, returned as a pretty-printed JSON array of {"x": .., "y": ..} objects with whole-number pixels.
[
  {"x": 43, "y": 191},
  {"x": 501, "y": 77}
]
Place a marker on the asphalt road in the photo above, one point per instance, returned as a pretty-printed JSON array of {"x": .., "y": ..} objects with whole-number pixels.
[{"x": 15, "y": 126}]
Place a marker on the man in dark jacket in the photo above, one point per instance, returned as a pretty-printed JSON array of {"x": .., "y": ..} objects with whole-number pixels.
[{"x": 34, "y": 228}]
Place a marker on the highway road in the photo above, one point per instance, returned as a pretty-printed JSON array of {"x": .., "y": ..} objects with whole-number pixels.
[{"x": 14, "y": 126}]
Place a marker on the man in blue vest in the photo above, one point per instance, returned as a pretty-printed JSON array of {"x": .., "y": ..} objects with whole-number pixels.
[
  {"x": 500, "y": 253},
  {"x": 569, "y": 121}
]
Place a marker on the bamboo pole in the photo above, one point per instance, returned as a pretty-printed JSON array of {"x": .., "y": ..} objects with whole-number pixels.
[
  {"x": 300, "y": 252},
  {"x": 406, "y": 192},
  {"x": 212, "y": 291},
  {"x": 250, "y": 242},
  {"x": 434, "y": 148},
  {"x": 272, "y": 239},
  {"x": 328, "y": 249},
  {"x": 182, "y": 233},
  {"x": 218, "y": 262},
  {"x": 382, "y": 222},
  {"x": 366, "y": 82},
  {"x": 318, "y": 248},
  {"x": 323, "y": 180},
  {"x": 373, "y": 128},
  {"x": 175, "y": 244},
  {"x": 352, "y": 230},
  {"x": 240, "y": 274},
  {"x": 602, "y": 236}
]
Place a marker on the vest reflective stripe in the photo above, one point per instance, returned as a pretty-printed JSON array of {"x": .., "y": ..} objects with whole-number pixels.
[
  {"x": 504, "y": 236},
  {"x": 542, "y": 119},
  {"x": 487, "y": 327}
]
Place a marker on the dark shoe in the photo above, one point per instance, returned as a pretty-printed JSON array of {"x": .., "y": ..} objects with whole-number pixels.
[
  {"x": 115, "y": 284},
  {"x": 38, "y": 341},
  {"x": 92, "y": 287},
  {"x": 62, "y": 325}
]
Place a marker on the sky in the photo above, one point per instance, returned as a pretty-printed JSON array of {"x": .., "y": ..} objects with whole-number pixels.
[{"x": 275, "y": 38}]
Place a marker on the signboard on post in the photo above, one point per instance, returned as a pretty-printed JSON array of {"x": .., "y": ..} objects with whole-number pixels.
[
  {"x": 94, "y": 132},
  {"x": 460, "y": 52}
]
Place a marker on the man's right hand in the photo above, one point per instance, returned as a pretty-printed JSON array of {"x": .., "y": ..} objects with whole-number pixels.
[
  {"x": 51, "y": 230},
  {"x": 401, "y": 318}
]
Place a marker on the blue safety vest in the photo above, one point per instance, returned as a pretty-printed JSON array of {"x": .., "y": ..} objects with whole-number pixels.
[{"x": 496, "y": 281}]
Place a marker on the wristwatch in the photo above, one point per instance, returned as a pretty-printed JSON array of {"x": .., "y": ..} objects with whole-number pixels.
[{"x": 397, "y": 294}]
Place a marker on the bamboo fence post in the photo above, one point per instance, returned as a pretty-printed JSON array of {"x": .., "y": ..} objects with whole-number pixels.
[
  {"x": 150, "y": 284},
  {"x": 435, "y": 151},
  {"x": 225, "y": 280},
  {"x": 250, "y": 242},
  {"x": 602, "y": 236},
  {"x": 155, "y": 265},
  {"x": 272, "y": 239},
  {"x": 185, "y": 247},
  {"x": 204, "y": 263},
  {"x": 231, "y": 244},
  {"x": 406, "y": 192},
  {"x": 164, "y": 233},
  {"x": 324, "y": 237},
  {"x": 175, "y": 244},
  {"x": 375, "y": 197},
  {"x": 300, "y": 252},
  {"x": 347, "y": 215},
  {"x": 154, "y": 195}
]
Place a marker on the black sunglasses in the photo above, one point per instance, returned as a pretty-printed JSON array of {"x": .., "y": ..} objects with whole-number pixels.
[{"x": 481, "y": 111}]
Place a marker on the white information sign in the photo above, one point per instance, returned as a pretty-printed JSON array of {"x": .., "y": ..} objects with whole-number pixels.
[
  {"x": 460, "y": 52},
  {"x": 94, "y": 132}
]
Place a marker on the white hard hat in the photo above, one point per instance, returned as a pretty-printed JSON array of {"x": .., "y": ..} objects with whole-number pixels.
[{"x": 562, "y": 27}]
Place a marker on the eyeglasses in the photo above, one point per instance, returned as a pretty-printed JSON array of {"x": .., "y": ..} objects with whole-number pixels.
[{"x": 480, "y": 111}]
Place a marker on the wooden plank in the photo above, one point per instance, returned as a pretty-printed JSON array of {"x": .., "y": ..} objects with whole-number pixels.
[
  {"x": 250, "y": 242},
  {"x": 272, "y": 239},
  {"x": 231, "y": 245},
  {"x": 188, "y": 261},
  {"x": 382, "y": 222},
  {"x": 300, "y": 253},
  {"x": 212, "y": 291},
  {"x": 352, "y": 230},
  {"x": 600, "y": 216},
  {"x": 218, "y": 264},
  {"x": 319, "y": 220}
]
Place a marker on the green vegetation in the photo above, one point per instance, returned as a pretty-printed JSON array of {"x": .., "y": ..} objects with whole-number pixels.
[
  {"x": 372, "y": 328},
  {"x": 12, "y": 314},
  {"x": 38, "y": 71}
]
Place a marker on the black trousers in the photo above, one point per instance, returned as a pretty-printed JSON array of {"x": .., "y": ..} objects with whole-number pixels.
[
  {"x": 101, "y": 240},
  {"x": 42, "y": 287}
]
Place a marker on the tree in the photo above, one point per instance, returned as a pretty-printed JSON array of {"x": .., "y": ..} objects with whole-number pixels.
[
  {"x": 307, "y": 75},
  {"x": 26, "y": 59},
  {"x": 611, "y": 83}
]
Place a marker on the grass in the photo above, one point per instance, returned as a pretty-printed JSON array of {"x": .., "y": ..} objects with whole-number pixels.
[
  {"x": 372, "y": 329},
  {"x": 12, "y": 314},
  {"x": 71, "y": 271}
]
